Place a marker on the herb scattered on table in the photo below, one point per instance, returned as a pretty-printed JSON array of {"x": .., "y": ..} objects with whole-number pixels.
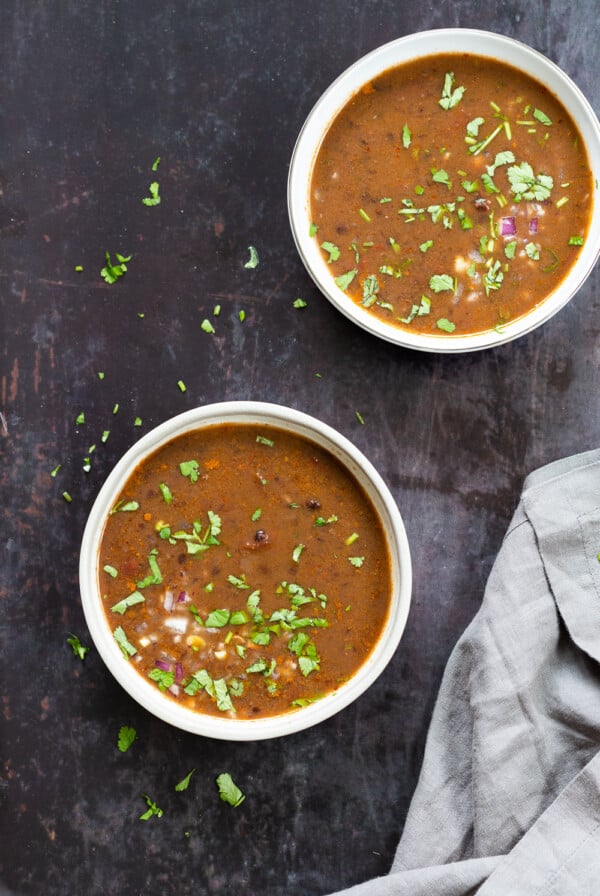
[
  {"x": 253, "y": 260},
  {"x": 229, "y": 791},
  {"x": 78, "y": 649},
  {"x": 126, "y": 737},
  {"x": 185, "y": 782},
  {"x": 153, "y": 809},
  {"x": 111, "y": 272}
]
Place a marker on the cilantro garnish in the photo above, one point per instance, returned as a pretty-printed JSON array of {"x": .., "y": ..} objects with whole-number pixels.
[
  {"x": 446, "y": 325},
  {"x": 359, "y": 417},
  {"x": 155, "y": 163},
  {"x": 358, "y": 561},
  {"x": 126, "y": 647},
  {"x": 344, "y": 280},
  {"x": 154, "y": 197},
  {"x": 296, "y": 552},
  {"x": 110, "y": 570},
  {"x": 526, "y": 185},
  {"x": 575, "y": 241},
  {"x": 153, "y": 809},
  {"x": 126, "y": 738},
  {"x": 80, "y": 419},
  {"x": 406, "y": 136},
  {"x": 262, "y": 440},
  {"x": 190, "y": 469},
  {"x": 493, "y": 277},
  {"x": 300, "y": 303},
  {"x": 228, "y": 790},
  {"x": 185, "y": 782},
  {"x": 165, "y": 492},
  {"x": 207, "y": 327},
  {"x": 162, "y": 678},
  {"x": 253, "y": 260},
  {"x": 334, "y": 252},
  {"x": 542, "y": 117},
  {"x": 111, "y": 272},
  {"x": 441, "y": 282},
  {"x": 370, "y": 290},
  {"x": 78, "y": 649},
  {"x": 450, "y": 97},
  {"x": 439, "y": 176},
  {"x": 532, "y": 251},
  {"x": 130, "y": 601}
]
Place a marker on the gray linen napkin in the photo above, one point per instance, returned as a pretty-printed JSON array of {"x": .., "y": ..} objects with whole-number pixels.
[{"x": 508, "y": 800}]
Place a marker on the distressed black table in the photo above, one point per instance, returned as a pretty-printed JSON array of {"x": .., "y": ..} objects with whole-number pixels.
[{"x": 91, "y": 93}]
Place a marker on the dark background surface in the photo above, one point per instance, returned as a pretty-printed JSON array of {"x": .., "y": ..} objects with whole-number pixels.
[{"x": 90, "y": 94}]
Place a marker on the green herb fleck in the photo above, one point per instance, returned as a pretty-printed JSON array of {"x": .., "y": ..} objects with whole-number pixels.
[
  {"x": 130, "y": 601},
  {"x": 154, "y": 197},
  {"x": 406, "y": 136},
  {"x": 228, "y": 790},
  {"x": 166, "y": 493},
  {"x": 575, "y": 241},
  {"x": 153, "y": 809},
  {"x": 207, "y": 327},
  {"x": 185, "y": 782},
  {"x": 332, "y": 249},
  {"x": 356, "y": 561},
  {"x": 262, "y": 440},
  {"x": 163, "y": 679},
  {"x": 126, "y": 738},
  {"x": 450, "y": 97},
  {"x": 155, "y": 163},
  {"x": 300, "y": 303},
  {"x": 542, "y": 117},
  {"x": 424, "y": 247},
  {"x": 441, "y": 283},
  {"x": 182, "y": 386},
  {"x": 446, "y": 325},
  {"x": 110, "y": 570},
  {"x": 253, "y": 260},
  {"x": 111, "y": 272},
  {"x": 78, "y": 649},
  {"x": 359, "y": 417},
  {"x": 344, "y": 280},
  {"x": 121, "y": 638},
  {"x": 296, "y": 552}
]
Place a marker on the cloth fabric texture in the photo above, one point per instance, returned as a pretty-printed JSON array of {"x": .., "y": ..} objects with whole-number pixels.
[{"x": 508, "y": 800}]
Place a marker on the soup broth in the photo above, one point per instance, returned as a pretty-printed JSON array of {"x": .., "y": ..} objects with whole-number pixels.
[
  {"x": 451, "y": 194},
  {"x": 244, "y": 571}
]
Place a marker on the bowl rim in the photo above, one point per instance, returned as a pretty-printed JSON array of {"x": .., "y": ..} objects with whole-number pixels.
[
  {"x": 418, "y": 45},
  {"x": 225, "y": 728}
]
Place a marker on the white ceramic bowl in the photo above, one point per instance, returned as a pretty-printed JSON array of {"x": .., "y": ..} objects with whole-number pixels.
[
  {"x": 427, "y": 43},
  {"x": 145, "y": 692}
]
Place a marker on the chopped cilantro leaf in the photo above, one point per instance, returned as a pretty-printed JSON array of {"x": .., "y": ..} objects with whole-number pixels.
[
  {"x": 78, "y": 649},
  {"x": 441, "y": 282},
  {"x": 332, "y": 249},
  {"x": 207, "y": 327},
  {"x": 297, "y": 552},
  {"x": 356, "y": 561},
  {"x": 344, "y": 280},
  {"x": 190, "y": 468},
  {"x": 526, "y": 185},
  {"x": 359, "y": 417},
  {"x": 253, "y": 260},
  {"x": 162, "y": 678},
  {"x": 130, "y": 601},
  {"x": 575, "y": 241},
  {"x": 155, "y": 163},
  {"x": 126, "y": 738},
  {"x": 450, "y": 97},
  {"x": 185, "y": 782},
  {"x": 111, "y": 272},
  {"x": 300, "y": 303},
  {"x": 153, "y": 809},
  {"x": 121, "y": 638},
  {"x": 228, "y": 790},
  {"x": 154, "y": 197},
  {"x": 542, "y": 117},
  {"x": 406, "y": 136},
  {"x": 262, "y": 440},
  {"x": 446, "y": 325}
]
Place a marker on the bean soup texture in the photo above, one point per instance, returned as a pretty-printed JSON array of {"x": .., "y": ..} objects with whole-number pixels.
[
  {"x": 451, "y": 195},
  {"x": 244, "y": 571}
]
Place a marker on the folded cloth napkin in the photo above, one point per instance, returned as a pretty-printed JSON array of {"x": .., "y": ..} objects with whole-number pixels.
[{"x": 508, "y": 800}]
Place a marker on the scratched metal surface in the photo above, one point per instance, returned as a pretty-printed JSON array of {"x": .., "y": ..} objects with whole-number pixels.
[{"x": 90, "y": 94}]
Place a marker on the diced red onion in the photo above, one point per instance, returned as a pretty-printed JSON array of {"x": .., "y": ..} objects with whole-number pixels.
[
  {"x": 161, "y": 664},
  {"x": 178, "y": 672},
  {"x": 174, "y": 689},
  {"x": 533, "y": 225},
  {"x": 182, "y": 597},
  {"x": 168, "y": 601},
  {"x": 508, "y": 226}
]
